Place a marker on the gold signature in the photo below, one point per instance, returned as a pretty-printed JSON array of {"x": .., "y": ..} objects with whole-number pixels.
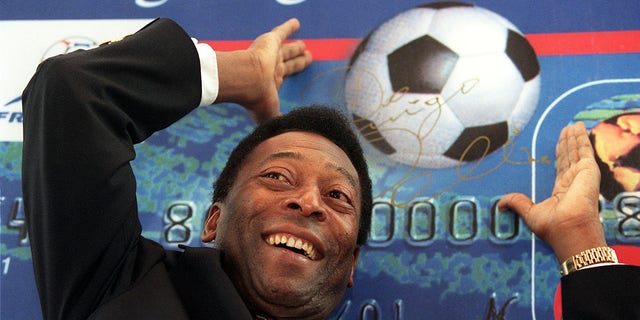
[{"x": 431, "y": 111}]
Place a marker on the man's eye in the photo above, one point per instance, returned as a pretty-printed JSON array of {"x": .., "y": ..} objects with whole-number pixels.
[
  {"x": 274, "y": 175},
  {"x": 338, "y": 195}
]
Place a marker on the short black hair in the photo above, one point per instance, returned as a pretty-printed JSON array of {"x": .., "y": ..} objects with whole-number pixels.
[{"x": 322, "y": 120}]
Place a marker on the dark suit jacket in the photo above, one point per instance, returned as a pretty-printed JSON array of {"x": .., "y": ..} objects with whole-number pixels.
[
  {"x": 608, "y": 292},
  {"x": 83, "y": 112},
  {"x": 180, "y": 285}
]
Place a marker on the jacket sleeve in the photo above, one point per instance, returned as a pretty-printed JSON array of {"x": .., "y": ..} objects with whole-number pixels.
[
  {"x": 83, "y": 112},
  {"x": 608, "y": 292}
]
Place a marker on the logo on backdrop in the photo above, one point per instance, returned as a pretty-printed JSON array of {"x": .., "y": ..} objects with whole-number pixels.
[
  {"x": 147, "y": 4},
  {"x": 9, "y": 116},
  {"x": 11, "y": 111},
  {"x": 68, "y": 44},
  {"x": 11, "y": 120},
  {"x": 290, "y": 2},
  {"x": 150, "y": 3}
]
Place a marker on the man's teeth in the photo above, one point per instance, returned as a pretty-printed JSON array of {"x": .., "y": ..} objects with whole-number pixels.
[{"x": 294, "y": 243}]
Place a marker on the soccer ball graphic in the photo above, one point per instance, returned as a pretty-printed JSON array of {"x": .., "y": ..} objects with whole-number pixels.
[{"x": 442, "y": 84}]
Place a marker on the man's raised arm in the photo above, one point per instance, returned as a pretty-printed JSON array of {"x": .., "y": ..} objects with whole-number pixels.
[{"x": 84, "y": 111}]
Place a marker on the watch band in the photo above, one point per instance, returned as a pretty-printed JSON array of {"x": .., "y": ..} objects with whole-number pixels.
[{"x": 588, "y": 257}]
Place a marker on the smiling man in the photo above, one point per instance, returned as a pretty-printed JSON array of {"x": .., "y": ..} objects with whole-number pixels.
[
  {"x": 290, "y": 210},
  {"x": 289, "y": 224}
]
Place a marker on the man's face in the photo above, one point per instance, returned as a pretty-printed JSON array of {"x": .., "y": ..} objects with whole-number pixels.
[{"x": 289, "y": 226}]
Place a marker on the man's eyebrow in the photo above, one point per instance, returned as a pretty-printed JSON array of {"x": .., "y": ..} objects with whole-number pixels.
[
  {"x": 285, "y": 155},
  {"x": 344, "y": 172},
  {"x": 281, "y": 155}
]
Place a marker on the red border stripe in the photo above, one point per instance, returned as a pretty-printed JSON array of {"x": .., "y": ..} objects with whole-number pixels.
[
  {"x": 548, "y": 44},
  {"x": 585, "y": 43}
]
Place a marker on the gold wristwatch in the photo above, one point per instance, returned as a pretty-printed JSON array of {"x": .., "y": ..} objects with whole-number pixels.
[{"x": 587, "y": 258}]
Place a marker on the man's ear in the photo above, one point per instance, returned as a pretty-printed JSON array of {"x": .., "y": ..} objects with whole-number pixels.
[
  {"x": 356, "y": 253},
  {"x": 211, "y": 224}
]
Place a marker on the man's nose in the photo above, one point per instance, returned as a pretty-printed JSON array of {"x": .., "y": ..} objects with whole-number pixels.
[{"x": 308, "y": 202}]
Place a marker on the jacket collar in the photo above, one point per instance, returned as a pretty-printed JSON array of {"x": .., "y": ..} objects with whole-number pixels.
[{"x": 205, "y": 289}]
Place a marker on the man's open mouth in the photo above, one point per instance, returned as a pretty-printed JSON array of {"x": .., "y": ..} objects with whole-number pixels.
[{"x": 297, "y": 245}]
